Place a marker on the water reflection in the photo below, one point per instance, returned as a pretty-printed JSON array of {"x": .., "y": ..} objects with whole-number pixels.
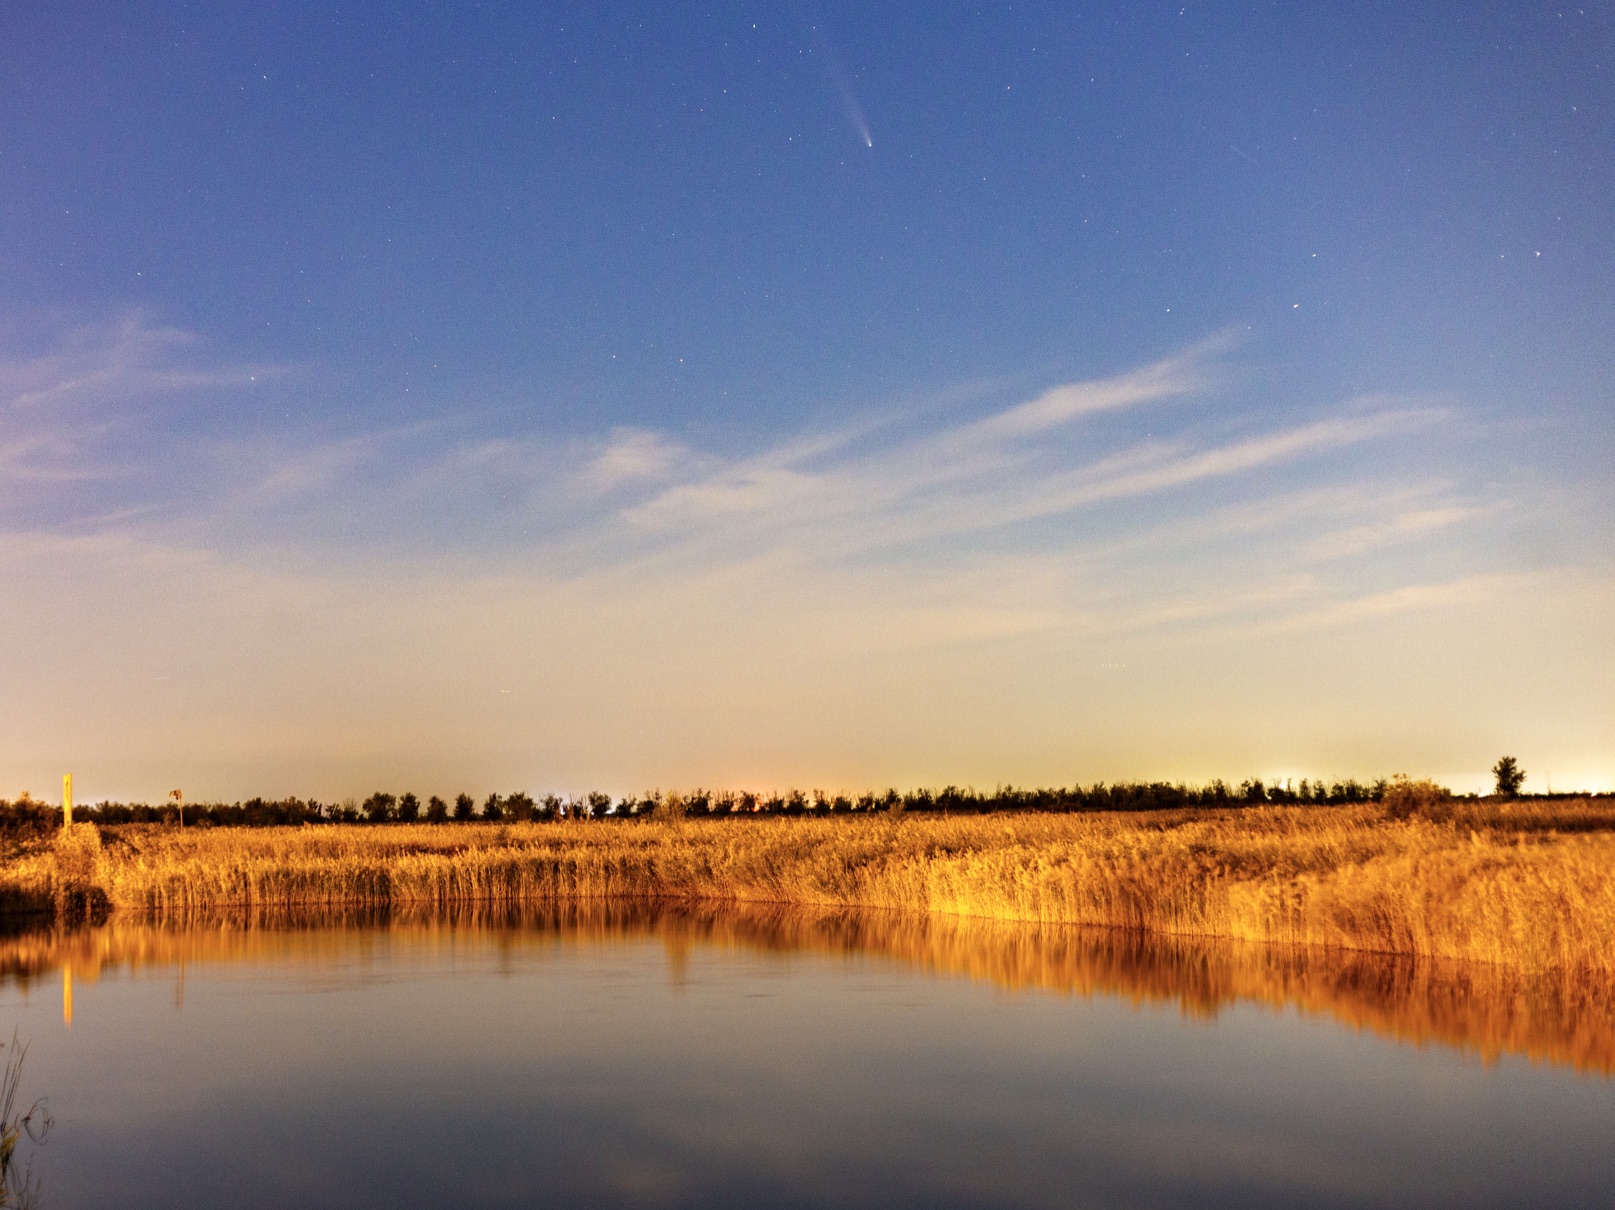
[
  {"x": 1478, "y": 1009},
  {"x": 20, "y": 1124}
]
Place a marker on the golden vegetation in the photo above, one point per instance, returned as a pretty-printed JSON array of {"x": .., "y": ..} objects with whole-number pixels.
[{"x": 1521, "y": 885}]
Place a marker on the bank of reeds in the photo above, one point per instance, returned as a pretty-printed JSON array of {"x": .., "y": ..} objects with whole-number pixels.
[{"x": 1524, "y": 886}]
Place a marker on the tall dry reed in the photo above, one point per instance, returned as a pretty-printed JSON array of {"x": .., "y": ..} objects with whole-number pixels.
[{"x": 1526, "y": 887}]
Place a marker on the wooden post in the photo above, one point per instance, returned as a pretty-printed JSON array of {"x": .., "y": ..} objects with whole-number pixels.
[{"x": 67, "y": 799}]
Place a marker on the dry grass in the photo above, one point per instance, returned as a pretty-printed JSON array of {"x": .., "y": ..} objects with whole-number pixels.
[{"x": 1521, "y": 886}]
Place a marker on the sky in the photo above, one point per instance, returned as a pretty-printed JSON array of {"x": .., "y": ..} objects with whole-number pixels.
[{"x": 566, "y": 396}]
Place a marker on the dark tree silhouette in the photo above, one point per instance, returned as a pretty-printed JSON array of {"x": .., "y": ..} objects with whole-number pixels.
[
  {"x": 1510, "y": 777},
  {"x": 378, "y": 808},
  {"x": 409, "y": 808},
  {"x": 436, "y": 810},
  {"x": 464, "y": 806}
]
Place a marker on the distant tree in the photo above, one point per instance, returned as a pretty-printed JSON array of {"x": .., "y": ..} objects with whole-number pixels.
[
  {"x": 436, "y": 810},
  {"x": 493, "y": 807},
  {"x": 520, "y": 805},
  {"x": 409, "y": 808},
  {"x": 464, "y": 806},
  {"x": 378, "y": 808},
  {"x": 1510, "y": 777}
]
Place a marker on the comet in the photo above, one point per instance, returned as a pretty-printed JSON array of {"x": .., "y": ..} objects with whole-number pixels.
[
  {"x": 843, "y": 86},
  {"x": 855, "y": 113}
]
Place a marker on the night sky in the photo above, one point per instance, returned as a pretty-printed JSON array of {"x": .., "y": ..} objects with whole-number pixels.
[{"x": 553, "y": 396}]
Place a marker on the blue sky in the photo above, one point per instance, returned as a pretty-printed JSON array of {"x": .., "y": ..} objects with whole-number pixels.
[{"x": 621, "y": 395}]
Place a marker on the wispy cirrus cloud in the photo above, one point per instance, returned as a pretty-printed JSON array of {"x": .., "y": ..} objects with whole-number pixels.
[
  {"x": 77, "y": 409},
  {"x": 1026, "y": 463},
  {"x": 632, "y": 457},
  {"x": 952, "y": 591},
  {"x": 115, "y": 365},
  {"x": 1038, "y": 514}
]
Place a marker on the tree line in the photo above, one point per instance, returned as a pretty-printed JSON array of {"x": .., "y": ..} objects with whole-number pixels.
[
  {"x": 385, "y": 807},
  {"x": 29, "y": 815}
]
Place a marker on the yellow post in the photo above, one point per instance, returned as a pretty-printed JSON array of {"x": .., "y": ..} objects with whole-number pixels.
[
  {"x": 67, "y": 799},
  {"x": 67, "y": 995}
]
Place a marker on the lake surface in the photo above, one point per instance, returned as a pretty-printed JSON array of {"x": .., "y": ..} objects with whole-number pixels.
[{"x": 616, "y": 1056}]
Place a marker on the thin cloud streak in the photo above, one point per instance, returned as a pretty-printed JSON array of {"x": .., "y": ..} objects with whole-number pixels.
[
  {"x": 979, "y": 476},
  {"x": 1108, "y": 578},
  {"x": 638, "y": 508},
  {"x": 115, "y": 364},
  {"x": 940, "y": 528},
  {"x": 75, "y": 413}
]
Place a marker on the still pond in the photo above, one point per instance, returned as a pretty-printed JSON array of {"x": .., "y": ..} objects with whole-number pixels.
[{"x": 619, "y": 1056}]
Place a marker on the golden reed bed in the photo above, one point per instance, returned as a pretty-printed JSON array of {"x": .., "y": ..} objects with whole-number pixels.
[{"x": 1523, "y": 886}]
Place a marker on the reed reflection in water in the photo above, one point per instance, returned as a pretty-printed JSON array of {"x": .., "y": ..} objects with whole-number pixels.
[
  {"x": 1475, "y": 1008},
  {"x": 620, "y": 1054}
]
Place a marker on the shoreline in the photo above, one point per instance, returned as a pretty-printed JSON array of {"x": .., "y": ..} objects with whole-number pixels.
[{"x": 1520, "y": 887}]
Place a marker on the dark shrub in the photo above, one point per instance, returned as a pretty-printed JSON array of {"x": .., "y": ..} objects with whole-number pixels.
[
  {"x": 378, "y": 808},
  {"x": 1404, "y": 797},
  {"x": 25, "y": 818}
]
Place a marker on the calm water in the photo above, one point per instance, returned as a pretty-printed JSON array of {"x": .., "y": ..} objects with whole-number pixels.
[{"x": 619, "y": 1058}]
